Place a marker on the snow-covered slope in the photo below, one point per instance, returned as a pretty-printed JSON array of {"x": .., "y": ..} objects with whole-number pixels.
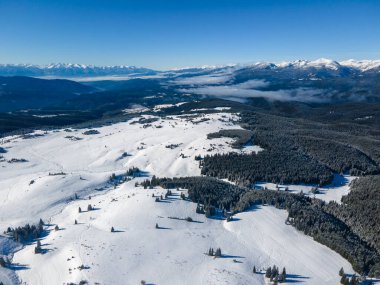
[
  {"x": 62, "y": 163},
  {"x": 28, "y": 192},
  {"x": 173, "y": 253}
]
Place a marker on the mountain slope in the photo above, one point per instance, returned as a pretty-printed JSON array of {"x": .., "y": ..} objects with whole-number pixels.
[{"x": 18, "y": 92}]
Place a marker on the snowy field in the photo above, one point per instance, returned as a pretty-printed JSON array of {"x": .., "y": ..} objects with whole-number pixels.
[
  {"x": 166, "y": 147},
  {"x": 173, "y": 253},
  {"x": 41, "y": 174}
]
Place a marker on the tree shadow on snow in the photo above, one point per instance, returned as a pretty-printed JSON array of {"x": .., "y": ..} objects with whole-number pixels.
[
  {"x": 118, "y": 231},
  {"x": 295, "y": 278},
  {"x": 231, "y": 256},
  {"x": 163, "y": 228},
  {"x": 18, "y": 266}
]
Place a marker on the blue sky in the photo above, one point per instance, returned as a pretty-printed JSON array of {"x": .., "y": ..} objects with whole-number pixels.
[{"x": 165, "y": 34}]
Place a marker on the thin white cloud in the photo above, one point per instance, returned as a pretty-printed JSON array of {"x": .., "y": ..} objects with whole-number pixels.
[
  {"x": 241, "y": 92},
  {"x": 202, "y": 80}
]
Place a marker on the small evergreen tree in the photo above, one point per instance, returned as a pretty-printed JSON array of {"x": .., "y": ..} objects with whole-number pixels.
[
  {"x": 37, "y": 249},
  {"x": 341, "y": 272},
  {"x": 56, "y": 228},
  {"x": 2, "y": 262},
  {"x": 254, "y": 269},
  {"x": 284, "y": 274},
  {"x": 89, "y": 207},
  {"x": 112, "y": 229},
  {"x": 218, "y": 252},
  {"x": 75, "y": 222},
  {"x": 268, "y": 273},
  {"x": 79, "y": 210},
  {"x": 157, "y": 226}
]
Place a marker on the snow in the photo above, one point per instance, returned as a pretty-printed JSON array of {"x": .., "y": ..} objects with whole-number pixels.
[
  {"x": 174, "y": 253},
  {"x": 339, "y": 187},
  {"x": 89, "y": 161},
  {"x": 136, "y": 108},
  {"x": 363, "y": 65}
]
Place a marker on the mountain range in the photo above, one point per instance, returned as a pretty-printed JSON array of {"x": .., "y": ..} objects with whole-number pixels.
[{"x": 331, "y": 67}]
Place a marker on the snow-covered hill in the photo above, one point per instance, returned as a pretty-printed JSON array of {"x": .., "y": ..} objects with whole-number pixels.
[
  {"x": 175, "y": 252},
  {"x": 40, "y": 175}
]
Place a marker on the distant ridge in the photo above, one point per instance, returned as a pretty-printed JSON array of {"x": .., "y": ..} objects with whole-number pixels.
[
  {"x": 70, "y": 70},
  {"x": 80, "y": 70}
]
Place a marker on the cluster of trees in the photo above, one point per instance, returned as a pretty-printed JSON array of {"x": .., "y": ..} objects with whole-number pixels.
[
  {"x": 208, "y": 191},
  {"x": 133, "y": 171},
  {"x": 274, "y": 274},
  {"x": 241, "y": 137},
  {"x": 354, "y": 280},
  {"x": 216, "y": 253},
  {"x": 26, "y": 233},
  {"x": 91, "y": 132}
]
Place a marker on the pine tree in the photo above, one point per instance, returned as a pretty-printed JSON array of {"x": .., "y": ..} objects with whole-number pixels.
[
  {"x": 254, "y": 269},
  {"x": 89, "y": 207},
  {"x": 284, "y": 274},
  {"x": 41, "y": 222},
  {"x": 2, "y": 262},
  {"x": 112, "y": 229},
  {"x": 56, "y": 228},
  {"x": 37, "y": 249},
  {"x": 341, "y": 272},
  {"x": 268, "y": 273},
  {"x": 79, "y": 210},
  {"x": 218, "y": 252},
  {"x": 75, "y": 222}
]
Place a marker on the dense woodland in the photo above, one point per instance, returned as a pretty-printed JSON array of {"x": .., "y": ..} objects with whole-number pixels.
[
  {"x": 360, "y": 209},
  {"x": 296, "y": 150},
  {"x": 311, "y": 216}
]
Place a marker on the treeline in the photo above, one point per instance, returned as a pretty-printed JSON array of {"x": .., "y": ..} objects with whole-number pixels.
[
  {"x": 269, "y": 165},
  {"x": 296, "y": 150},
  {"x": 334, "y": 146},
  {"x": 311, "y": 216}
]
